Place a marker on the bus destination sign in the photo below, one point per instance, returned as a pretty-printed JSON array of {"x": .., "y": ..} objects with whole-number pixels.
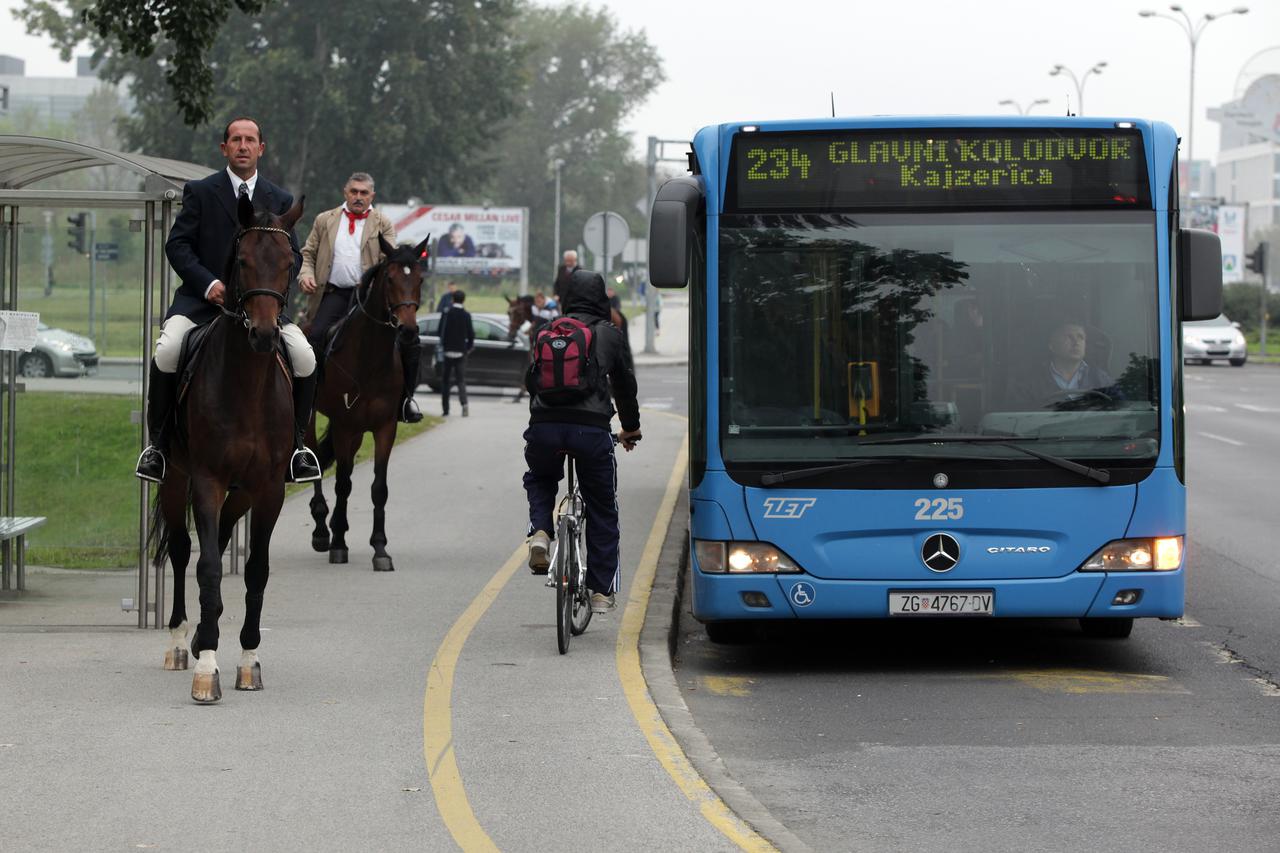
[{"x": 938, "y": 167}]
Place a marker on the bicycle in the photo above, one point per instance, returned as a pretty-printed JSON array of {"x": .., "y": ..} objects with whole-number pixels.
[{"x": 569, "y": 566}]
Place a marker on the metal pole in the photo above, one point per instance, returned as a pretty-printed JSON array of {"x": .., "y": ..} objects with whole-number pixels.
[
  {"x": 524, "y": 252},
  {"x": 93, "y": 268},
  {"x": 1266, "y": 276},
  {"x": 11, "y": 404},
  {"x": 651, "y": 295},
  {"x": 555, "y": 268},
  {"x": 4, "y": 363},
  {"x": 1191, "y": 117},
  {"x": 166, "y": 277},
  {"x": 144, "y": 490}
]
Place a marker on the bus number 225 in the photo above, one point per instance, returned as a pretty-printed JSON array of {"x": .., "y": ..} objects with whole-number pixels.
[
  {"x": 776, "y": 164},
  {"x": 939, "y": 509}
]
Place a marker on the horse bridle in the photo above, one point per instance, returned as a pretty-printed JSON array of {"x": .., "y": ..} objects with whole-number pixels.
[
  {"x": 392, "y": 321},
  {"x": 242, "y": 296}
]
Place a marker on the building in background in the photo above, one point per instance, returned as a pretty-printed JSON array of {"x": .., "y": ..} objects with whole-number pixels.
[
  {"x": 1248, "y": 170},
  {"x": 45, "y": 99}
]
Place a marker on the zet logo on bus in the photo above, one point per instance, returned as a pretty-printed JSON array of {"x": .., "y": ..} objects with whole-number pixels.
[{"x": 787, "y": 507}]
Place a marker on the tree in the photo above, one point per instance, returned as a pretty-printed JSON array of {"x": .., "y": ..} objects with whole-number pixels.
[
  {"x": 585, "y": 77},
  {"x": 407, "y": 90},
  {"x": 185, "y": 29}
]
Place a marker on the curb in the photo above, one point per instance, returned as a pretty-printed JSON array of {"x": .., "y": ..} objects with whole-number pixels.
[{"x": 658, "y": 645}]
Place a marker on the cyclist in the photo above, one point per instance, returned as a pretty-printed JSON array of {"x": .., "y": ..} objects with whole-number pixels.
[{"x": 581, "y": 427}]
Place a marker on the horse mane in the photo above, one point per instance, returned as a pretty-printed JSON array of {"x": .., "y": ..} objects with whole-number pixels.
[{"x": 231, "y": 270}]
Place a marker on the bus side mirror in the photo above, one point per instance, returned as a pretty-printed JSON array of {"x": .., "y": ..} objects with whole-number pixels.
[
  {"x": 675, "y": 209},
  {"x": 1200, "y": 273}
]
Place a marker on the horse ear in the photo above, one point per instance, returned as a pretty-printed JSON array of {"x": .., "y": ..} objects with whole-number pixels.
[
  {"x": 386, "y": 247},
  {"x": 244, "y": 211},
  {"x": 293, "y": 214},
  {"x": 420, "y": 251}
]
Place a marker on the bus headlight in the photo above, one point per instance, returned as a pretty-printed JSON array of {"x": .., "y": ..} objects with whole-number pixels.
[
  {"x": 1137, "y": 555},
  {"x": 741, "y": 558}
]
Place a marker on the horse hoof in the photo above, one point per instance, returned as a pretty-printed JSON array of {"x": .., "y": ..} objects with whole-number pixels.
[
  {"x": 320, "y": 542},
  {"x": 176, "y": 659},
  {"x": 383, "y": 564},
  {"x": 249, "y": 677},
  {"x": 206, "y": 688},
  {"x": 337, "y": 555}
]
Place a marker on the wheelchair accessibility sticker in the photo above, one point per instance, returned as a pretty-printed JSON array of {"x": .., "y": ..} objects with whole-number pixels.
[{"x": 803, "y": 594}]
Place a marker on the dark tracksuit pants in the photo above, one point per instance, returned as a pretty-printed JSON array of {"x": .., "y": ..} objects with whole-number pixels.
[
  {"x": 453, "y": 370},
  {"x": 592, "y": 448}
]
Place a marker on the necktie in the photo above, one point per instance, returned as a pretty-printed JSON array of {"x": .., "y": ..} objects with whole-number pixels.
[
  {"x": 244, "y": 190},
  {"x": 352, "y": 217}
]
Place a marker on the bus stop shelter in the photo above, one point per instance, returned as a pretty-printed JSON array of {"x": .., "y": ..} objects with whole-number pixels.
[{"x": 25, "y": 161}]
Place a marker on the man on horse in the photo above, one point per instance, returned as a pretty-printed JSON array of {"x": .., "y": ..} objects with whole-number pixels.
[
  {"x": 201, "y": 241},
  {"x": 342, "y": 247}
]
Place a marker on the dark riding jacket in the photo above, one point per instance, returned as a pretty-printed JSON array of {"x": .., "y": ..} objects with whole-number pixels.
[
  {"x": 200, "y": 241},
  {"x": 585, "y": 300}
]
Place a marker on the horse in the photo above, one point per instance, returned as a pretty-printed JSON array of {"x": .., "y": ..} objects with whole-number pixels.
[
  {"x": 231, "y": 450},
  {"x": 360, "y": 391},
  {"x": 520, "y": 312}
]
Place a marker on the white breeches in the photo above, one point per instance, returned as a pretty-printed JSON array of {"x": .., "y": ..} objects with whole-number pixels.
[{"x": 169, "y": 347}]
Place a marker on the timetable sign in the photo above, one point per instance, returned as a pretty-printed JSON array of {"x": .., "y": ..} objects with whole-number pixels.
[{"x": 938, "y": 168}]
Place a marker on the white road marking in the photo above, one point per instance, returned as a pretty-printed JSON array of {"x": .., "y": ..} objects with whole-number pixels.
[
  {"x": 1204, "y": 407},
  {"x": 1266, "y": 410},
  {"x": 1222, "y": 439}
]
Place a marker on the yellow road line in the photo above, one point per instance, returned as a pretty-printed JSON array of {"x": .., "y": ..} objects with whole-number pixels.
[
  {"x": 661, "y": 741},
  {"x": 437, "y": 718}
]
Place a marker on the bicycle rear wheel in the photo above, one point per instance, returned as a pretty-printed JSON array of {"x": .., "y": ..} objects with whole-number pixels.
[
  {"x": 565, "y": 575},
  {"x": 581, "y": 615}
]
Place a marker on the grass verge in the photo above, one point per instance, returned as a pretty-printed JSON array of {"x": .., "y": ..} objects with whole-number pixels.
[{"x": 75, "y": 457}]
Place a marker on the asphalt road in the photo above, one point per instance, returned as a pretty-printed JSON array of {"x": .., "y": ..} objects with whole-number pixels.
[{"x": 1028, "y": 736}]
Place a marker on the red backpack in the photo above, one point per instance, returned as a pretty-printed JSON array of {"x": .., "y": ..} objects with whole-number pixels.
[{"x": 563, "y": 369}]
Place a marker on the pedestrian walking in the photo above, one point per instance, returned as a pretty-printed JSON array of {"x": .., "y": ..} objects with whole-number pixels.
[{"x": 457, "y": 338}]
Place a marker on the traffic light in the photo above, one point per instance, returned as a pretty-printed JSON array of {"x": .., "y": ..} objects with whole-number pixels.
[
  {"x": 1256, "y": 261},
  {"x": 78, "y": 233}
]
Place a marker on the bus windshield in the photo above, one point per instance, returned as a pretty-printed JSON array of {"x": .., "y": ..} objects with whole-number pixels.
[{"x": 840, "y": 329}]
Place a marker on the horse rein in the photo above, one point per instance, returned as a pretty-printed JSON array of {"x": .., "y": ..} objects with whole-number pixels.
[{"x": 243, "y": 295}]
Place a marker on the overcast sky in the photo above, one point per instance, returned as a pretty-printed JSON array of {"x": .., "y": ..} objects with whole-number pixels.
[{"x": 754, "y": 60}]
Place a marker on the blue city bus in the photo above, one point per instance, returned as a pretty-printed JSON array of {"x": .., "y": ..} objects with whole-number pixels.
[{"x": 935, "y": 368}]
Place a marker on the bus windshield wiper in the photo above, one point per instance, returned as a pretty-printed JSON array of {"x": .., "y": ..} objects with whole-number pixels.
[
  {"x": 1101, "y": 475},
  {"x": 802, "y": 473}
]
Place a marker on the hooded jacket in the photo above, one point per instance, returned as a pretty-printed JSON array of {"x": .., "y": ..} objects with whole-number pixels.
[{"x": 585, "y": 300}]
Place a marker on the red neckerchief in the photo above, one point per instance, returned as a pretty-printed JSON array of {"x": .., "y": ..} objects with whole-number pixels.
[{"x": 352, "y": 217}]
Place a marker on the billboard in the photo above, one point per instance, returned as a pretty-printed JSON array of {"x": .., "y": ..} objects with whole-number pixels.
[
  {"x": 1231, "y": 233},
  {"x": 476, "y": 240}
]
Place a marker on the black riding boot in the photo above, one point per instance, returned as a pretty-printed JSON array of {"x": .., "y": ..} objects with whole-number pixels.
[
  {"x": 161, "y": 394},
  {"x": 303, "y": 465},
  {"x": 410, "y": 353}
]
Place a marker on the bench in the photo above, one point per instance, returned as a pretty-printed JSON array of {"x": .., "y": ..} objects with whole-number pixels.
[{"x": 16, "y": 528}]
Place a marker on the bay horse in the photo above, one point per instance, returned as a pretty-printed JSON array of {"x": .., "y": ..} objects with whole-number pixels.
[
  {"x": 360, "y": 391},
  {"x": 231, "y": 450},
  {"x": 520, "y": 312}
]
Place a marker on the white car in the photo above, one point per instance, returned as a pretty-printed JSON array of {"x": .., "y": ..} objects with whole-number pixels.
[{"x": 1205, "y": 340}]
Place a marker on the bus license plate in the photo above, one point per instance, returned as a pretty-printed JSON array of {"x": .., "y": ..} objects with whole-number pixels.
[{"x": 942, "y": 603}]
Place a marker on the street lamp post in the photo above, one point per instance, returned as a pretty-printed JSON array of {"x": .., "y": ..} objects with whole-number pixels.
[
  {"x": 1009, "y": 102},
  {"x": 1193, "y": 31},
  {"x": 559, "y": 165},
  {"x": 1079, "y": 81}
]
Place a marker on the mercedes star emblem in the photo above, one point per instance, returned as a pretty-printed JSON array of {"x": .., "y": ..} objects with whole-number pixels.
[
  {"x": 940, "y": 481},
  {"x": 940, "y": 553}
]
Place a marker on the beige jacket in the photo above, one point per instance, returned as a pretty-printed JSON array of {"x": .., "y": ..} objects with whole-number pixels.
[{"x": 317, "y": 254}]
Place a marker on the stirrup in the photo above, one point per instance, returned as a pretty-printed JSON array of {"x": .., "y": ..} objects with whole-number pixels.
[
  {"x": 164, "y": 465},
  {"x": 409, "y": 411},
  {"x": 307, "y": 458}
]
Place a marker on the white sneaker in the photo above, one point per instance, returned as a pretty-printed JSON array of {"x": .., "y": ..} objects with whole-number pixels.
[
  {"x": 601, "y": 603},
  {"x": 539, "y": 552}
]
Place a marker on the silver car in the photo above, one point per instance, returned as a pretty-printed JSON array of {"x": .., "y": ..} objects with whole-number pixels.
[
  {"x": 1205, "y": 340},
  {"x": 58, "y": 352}
]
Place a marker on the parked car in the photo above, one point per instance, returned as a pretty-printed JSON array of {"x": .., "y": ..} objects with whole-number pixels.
[
  {"x": 1205, "y": 340},
  {"x": 494, "y": 361},
  {"x": 58, "y": 352}
]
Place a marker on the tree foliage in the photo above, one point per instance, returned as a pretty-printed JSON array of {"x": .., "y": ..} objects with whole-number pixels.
[
  {"x": 136, "y": 27},
  {"x": 585, "y": 77}
]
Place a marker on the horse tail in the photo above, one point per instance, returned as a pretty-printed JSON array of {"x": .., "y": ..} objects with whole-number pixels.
[
  {"x": 324, "y": 450},
  {"x": 158, "y": 533}
]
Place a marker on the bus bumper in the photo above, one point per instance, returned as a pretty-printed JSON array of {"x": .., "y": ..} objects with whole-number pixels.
[{"x": 727, "y": 597}]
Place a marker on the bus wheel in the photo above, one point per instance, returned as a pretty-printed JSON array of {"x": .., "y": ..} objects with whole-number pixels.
[
  {"x": 729, "y": 633},
  {"x": 1110, "y": 628}
]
